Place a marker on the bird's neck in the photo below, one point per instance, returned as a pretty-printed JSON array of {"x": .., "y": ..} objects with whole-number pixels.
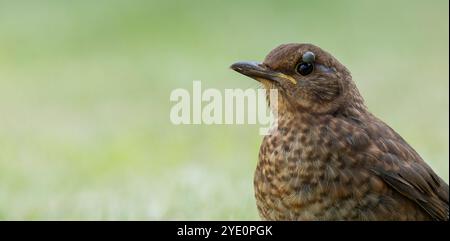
[{"x": 356, "y": 111}]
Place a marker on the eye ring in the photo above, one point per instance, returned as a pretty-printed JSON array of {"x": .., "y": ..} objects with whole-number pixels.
[{"x": 304, "y": 68}]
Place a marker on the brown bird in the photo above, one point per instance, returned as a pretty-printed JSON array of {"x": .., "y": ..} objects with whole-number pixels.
[{"x": 329, "y": 158}]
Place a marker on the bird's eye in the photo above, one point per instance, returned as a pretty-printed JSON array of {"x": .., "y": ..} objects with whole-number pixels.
[{"x": 305, "y": 68}]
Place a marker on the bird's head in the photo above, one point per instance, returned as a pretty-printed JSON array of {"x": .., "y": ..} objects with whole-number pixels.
[{"x": 308, "y": 79}]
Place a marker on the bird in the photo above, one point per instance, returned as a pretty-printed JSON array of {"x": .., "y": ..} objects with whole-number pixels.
[{"x": 328, "y": 157}]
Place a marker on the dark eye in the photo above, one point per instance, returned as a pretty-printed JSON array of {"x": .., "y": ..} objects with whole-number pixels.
[{"x": 305, "y": 68}]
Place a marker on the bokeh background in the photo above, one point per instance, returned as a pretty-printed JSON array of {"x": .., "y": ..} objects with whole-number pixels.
[{"x": 84, "y": 97}]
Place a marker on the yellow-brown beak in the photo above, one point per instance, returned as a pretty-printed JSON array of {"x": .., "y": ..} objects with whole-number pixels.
[{"x": 259, "y": 72}]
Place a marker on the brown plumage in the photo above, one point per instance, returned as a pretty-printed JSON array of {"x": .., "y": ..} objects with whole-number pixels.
[{"x": 330, "y": 158}]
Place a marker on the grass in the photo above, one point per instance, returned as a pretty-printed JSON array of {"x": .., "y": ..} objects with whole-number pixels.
[{"x": 84, "y": 97}]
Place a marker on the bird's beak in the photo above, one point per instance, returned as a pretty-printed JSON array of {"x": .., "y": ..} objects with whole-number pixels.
[{"x": 259, "y": 72}]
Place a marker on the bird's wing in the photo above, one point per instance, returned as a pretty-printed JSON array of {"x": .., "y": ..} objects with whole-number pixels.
[{"x": 405, "y": 171}]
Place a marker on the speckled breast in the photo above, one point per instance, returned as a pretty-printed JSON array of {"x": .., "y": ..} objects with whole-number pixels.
[{"x": 304, "y": 173}]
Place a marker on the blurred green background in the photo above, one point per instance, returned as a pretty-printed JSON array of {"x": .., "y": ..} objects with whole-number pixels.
[{"x": 85, "y": 85}]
